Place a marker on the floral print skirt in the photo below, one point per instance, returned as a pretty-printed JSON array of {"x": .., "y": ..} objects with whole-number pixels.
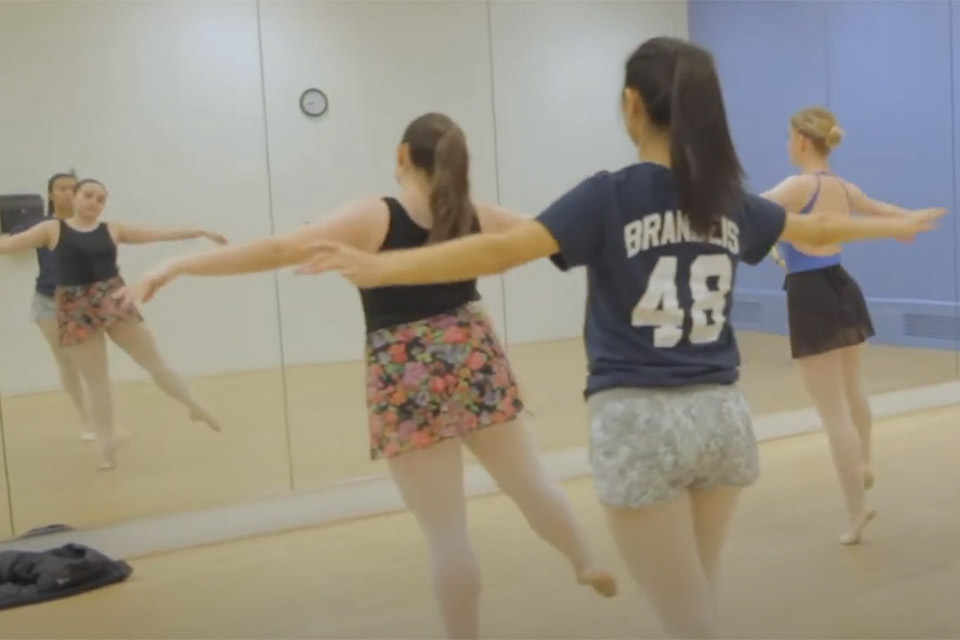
[
  {"x": 434, "y": 379},
  {"x": 84, "y": 310}
]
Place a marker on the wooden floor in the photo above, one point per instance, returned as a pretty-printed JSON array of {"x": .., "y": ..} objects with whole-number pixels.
[
  {"x": 171, "y": 465},
  {"x": 786, "y": 575}
]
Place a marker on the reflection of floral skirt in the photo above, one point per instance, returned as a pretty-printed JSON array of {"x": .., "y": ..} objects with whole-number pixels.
[
  {"x": 84, "y": 310},
  {"x": 435, "y": 379}
]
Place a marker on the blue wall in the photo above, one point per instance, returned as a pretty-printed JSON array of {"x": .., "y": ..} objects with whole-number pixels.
[{"x": 890, "y": 71}]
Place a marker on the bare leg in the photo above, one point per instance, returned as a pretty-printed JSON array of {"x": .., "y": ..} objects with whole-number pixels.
[
  {"x": 69, "y": 375},
  {"x": 660, "y": 548},
  {"x": 713, "y": 511},
  {"x": 823, "y": 376},
  {"x": 431, "y": 483},
  {"x": 90, "y": 358},
  {"x": 138, "y": 343},
  {"x": 507, "y": 452},
  {"x": 859, "y": 404}
]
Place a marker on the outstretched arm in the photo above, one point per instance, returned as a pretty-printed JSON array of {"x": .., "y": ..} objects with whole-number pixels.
[
  {"x": 496, "y": 219},
  {"x": 819, "y": 229},
  {"x": 354, "y": 224},
  {"x": 36, "y": 237},
  {"x": 491, "y": 253},
  {"x": 469, "y": 257},
  {"x": 764, "y": 223},
  {"x": 350, "y": 225},
  {"x": 825, "y": 229},
  {"x": 868, "y": 206},
  {"x": 133, "y": 234},
  {"x": 570, "y": 231}
]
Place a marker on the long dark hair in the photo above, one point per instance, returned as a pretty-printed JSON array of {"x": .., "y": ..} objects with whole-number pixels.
[
  {"x": 438, "y": 147},
  {"x": 678, "y": 84},
  {"x": 51, "y": 183}
]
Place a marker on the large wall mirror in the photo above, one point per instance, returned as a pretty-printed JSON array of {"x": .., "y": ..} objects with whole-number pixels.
[
  {"x": 162, "y": 103},
  {"x": 188, "y": 114}
]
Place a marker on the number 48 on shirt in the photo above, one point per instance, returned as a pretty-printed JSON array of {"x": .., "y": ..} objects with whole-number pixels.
[{"x": 659, "y": 307}]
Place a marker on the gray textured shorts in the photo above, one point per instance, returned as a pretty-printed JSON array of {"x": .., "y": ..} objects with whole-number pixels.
[
  {"x": 650, "y": 445},
  {"x": 42, "y": 308}
]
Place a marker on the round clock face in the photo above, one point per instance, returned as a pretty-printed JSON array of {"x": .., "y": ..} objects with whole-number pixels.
[{"x": 313, "y": 102}]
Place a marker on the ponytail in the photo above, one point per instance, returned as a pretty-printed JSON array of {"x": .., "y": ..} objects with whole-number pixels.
[
  {"x": 706, "y": 170},
  {"x": 453, "y": 212},
  {"x": 678, "y": 84}
]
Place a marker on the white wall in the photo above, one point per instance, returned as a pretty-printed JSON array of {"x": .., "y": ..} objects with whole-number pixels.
[{"x": 163, "y": 101}]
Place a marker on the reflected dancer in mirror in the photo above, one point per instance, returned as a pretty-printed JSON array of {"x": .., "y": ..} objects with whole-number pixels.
[{"x": 85, "y": 250}]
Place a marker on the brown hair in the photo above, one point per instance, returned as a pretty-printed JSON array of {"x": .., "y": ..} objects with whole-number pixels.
[
  {"x": 52, "y": 182},
  {"x": 438, "y": 147},
  {"x": 819, "y": 126}
]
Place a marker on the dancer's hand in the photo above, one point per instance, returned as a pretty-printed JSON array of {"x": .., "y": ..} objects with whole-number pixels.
[
  {"x": 365, "y": 270},
  {"x": 147, "y": 287},
  {"x": 216, "y": 238},
  {"x": 919, "y": 221}
]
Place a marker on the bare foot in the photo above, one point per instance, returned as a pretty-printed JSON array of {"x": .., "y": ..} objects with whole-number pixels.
[
  {"x": 91, "y": 436},
  {"x": 108, "y": 457},
  {"x": 852, "y": 535},
  {"x": 601, "y": 581},
  {"x": 202, "y": 415}
]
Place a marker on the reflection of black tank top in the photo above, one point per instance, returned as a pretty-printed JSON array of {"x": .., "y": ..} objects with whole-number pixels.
[
  {"x": 46, "y": 262},
  {"x": 85, "y": 257},
  {"x": 389, "y": 306}
]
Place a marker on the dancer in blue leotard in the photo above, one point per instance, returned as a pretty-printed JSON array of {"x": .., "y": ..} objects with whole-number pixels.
[{"x": 828, "y": 316}]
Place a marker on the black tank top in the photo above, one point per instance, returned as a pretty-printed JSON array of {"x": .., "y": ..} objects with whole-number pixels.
[
  {"x": 389, "y": 306},
  {"x": 85, "y": 257}
]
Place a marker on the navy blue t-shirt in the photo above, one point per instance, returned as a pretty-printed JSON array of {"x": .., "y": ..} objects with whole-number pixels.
[
  {"x": 47, "y": 278},
  {"x": 658, "y": 298}
]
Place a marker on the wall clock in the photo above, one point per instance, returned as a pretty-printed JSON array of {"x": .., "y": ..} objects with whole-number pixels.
[{"x": 313, "y": 103}]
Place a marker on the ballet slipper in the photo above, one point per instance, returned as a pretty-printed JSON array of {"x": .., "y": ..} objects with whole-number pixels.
[
  {"x": 599, "y": 580},
  {"x": 91, "y": 436},
  {"x": 108, "y": 457},
  {"x": 200, "y": 414},
  {"x": 852, "y": 535}
]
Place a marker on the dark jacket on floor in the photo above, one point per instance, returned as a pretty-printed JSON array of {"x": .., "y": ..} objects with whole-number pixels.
[{"x": 31, "y": 577}]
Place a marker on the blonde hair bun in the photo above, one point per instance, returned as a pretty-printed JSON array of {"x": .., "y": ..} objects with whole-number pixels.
[
  {"x": 834, "y": 137},
  {"x": 819, "y": 125}
]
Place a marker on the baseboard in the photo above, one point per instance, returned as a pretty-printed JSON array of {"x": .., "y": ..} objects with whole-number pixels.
[
  {"x": 375, "y": 495},
  {"x": 915, "y": 324}
]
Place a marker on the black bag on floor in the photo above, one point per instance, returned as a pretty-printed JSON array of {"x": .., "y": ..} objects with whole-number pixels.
[{"x": 32, "y": 577}]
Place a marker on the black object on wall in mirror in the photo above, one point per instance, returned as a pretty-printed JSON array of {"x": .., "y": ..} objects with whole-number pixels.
[{"x": 20, "y": 211}]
